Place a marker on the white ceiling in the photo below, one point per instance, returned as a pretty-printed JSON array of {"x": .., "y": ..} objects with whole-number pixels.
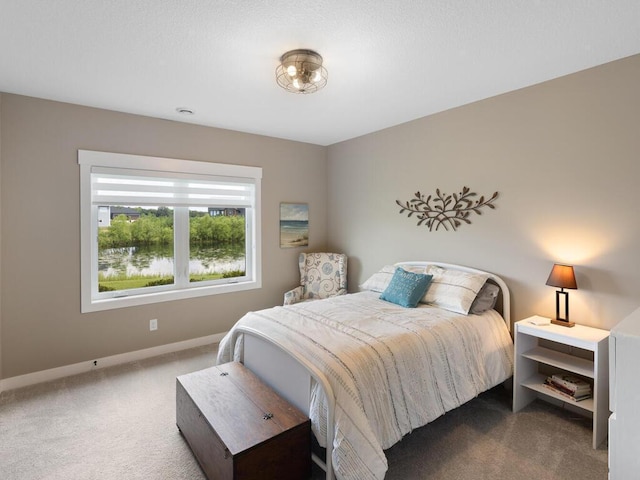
[{"x": 389, "y": 61}]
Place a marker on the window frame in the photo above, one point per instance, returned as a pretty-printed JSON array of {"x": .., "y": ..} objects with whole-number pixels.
[{"x": 88, "y": 159}]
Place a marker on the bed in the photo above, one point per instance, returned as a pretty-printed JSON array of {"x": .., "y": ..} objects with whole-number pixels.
[{"x": 369, "y": 371}]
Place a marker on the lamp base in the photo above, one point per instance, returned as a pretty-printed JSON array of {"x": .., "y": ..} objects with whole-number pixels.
[{"x": 563, "y": 323}]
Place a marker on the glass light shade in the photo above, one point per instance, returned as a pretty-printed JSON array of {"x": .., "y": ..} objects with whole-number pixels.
[{"x": 301, "y": 71}]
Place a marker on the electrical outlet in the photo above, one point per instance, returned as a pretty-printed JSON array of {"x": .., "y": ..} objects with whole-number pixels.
[{"x": 153, "y": 324}]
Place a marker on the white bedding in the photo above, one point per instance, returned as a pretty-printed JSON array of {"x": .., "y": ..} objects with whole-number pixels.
[{"x": 392, "y": 369}]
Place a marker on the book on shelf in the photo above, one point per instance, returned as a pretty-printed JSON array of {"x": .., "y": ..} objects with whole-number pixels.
[
  {"x": 574, "y": 384},
  {"x": 566, "y": 393}
]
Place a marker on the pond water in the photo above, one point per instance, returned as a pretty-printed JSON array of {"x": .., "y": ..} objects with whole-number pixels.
[{"x": 158, "y": 260}]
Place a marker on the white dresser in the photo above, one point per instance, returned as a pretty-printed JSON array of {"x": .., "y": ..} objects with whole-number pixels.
[{"x": 624, "y": 400}]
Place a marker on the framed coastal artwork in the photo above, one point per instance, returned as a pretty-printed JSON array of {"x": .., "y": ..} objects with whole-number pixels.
[{"x": 294, "y": 225}]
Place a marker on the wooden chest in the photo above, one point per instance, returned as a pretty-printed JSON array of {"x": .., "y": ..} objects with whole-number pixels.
[{"x": 238, "y": 428}]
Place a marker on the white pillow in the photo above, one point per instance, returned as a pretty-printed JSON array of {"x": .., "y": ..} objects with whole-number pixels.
[
  {"x": 379, "y": 281},
  {"x": 453, "y": 290}
]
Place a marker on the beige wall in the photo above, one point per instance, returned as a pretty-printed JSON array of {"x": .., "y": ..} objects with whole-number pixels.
[
  {"x": 41, "y": 322},
  {"x": 564, "y": 157}
]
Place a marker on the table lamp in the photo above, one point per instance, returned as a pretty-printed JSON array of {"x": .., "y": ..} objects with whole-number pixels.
[{"x": 562, "y": 276}]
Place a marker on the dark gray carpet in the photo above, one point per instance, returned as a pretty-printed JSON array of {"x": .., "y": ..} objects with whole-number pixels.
[
  {"x": 483, "y": 439},
  {"x": 119, "y": 423}
]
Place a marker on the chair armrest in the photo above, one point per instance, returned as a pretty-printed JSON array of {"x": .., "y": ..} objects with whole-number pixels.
[{"x": 293, "y": 296}]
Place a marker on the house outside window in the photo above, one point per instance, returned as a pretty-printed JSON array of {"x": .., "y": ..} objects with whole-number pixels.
[{"x": 156, "y": 229}]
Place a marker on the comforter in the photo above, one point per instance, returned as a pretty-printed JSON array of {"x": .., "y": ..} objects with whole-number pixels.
[{"x": 392, "y": 369}]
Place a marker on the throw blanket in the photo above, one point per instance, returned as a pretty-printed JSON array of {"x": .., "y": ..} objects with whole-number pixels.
[{"x": 392, "y": 369}]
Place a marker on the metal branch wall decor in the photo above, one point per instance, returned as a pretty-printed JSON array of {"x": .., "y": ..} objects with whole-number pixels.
[{"x": 446, "y": 210}]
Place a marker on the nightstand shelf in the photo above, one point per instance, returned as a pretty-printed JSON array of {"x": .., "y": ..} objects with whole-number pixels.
[
  {"x": 536, "y": 383},
  {"x": 561, "y": 360},
  {"x": 529, "y": 383}
]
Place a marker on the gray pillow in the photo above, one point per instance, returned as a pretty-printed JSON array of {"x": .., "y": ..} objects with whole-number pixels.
[{"x": 486, "y": 299}]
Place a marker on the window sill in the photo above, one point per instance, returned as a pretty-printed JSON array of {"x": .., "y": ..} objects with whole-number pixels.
[{"x": 156, "y": 297}]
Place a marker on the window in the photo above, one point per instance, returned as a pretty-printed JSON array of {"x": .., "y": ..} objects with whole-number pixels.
[{"x": 158, "y": 229}]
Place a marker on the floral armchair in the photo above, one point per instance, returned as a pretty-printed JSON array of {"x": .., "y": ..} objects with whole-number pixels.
[{"x": 322, "y": 275}]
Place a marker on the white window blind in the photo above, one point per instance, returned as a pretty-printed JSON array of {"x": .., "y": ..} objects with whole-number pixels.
[{"x": 111, "y": 186}]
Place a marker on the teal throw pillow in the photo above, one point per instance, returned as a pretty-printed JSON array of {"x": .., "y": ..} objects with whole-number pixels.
[{"x": 406, "y": 288}]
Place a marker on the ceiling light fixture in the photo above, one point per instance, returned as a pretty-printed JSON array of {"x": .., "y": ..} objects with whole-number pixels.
[{"x": 301, "y": 71}]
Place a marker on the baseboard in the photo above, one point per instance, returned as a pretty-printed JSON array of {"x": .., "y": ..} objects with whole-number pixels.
[{"x": 60, "y": 372}]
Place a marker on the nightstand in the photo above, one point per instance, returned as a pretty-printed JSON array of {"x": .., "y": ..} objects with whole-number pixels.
[{"x": 528, "y": 383}]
